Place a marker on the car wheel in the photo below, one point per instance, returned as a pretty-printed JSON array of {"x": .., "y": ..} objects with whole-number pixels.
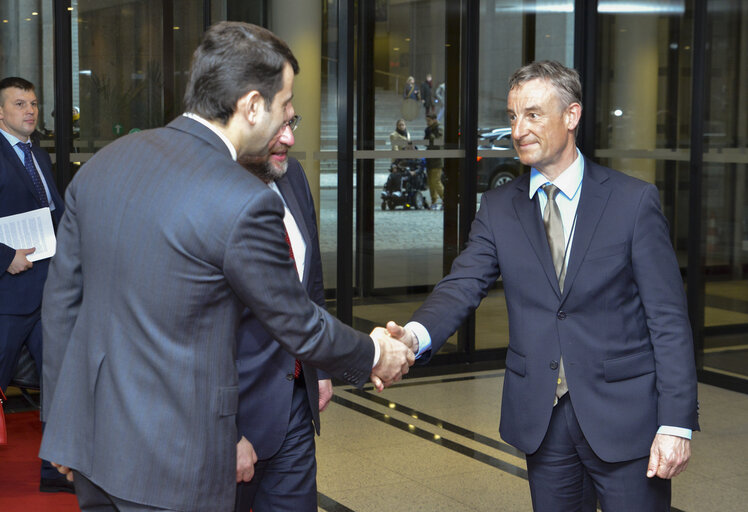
[{"x": 500, "y": 178}]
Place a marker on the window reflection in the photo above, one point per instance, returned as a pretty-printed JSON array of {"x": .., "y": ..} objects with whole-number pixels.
[
  {"x": 26, "y": 51},
  {"x": 130, "y": 65}
]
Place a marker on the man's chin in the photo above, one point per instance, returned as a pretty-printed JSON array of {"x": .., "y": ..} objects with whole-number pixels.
[{"x": 278, "y": 169}]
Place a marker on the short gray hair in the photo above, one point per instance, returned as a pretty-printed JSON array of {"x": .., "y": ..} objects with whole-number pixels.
[{"x": 564, "y": 80}]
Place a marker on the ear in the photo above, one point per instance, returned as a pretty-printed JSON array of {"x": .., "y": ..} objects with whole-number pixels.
[
  {"x": 251, "y": 106},
  {"x": 572, "y": 116}
]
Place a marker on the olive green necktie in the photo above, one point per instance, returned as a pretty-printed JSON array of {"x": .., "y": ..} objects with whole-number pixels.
[{"x": 554, "y": 231}]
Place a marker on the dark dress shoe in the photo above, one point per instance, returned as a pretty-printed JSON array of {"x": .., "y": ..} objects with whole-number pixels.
[{"x": 60, "y": 484}]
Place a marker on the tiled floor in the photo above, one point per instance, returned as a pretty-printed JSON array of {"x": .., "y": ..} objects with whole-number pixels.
[{"x": 432, "y": 444}]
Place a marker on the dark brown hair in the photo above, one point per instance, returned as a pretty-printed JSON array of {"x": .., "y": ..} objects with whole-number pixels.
[
  {"x": 14, "y": 81},
  {"x": 233, "y": 59}
]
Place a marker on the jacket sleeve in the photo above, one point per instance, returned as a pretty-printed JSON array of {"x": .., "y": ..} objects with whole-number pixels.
[
  {"x": 658, "y": 279},
  {"x": 63, "y": 293}
]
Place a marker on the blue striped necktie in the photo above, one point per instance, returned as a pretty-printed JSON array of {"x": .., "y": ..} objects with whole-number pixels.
[{"x": 28, "y": 163}]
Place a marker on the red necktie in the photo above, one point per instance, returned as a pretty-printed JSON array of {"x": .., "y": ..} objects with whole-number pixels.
[{"x": 297, "y": 365}]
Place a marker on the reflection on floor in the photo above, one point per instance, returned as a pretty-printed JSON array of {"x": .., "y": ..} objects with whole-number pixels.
[{"x": 432, "y": 444}]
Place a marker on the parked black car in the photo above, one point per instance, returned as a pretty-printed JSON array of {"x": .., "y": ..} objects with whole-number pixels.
[{"x": 496, "y": 171}]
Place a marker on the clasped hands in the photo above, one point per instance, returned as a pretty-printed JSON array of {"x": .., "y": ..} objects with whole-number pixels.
[{"x": 397, "y": 347}]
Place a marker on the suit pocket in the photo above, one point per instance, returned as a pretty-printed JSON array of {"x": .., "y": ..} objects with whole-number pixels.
[
  {"x": 515, "y": 362},
  {"x": 605, "y": 252},
  {"x": 228, "y": 401},
  {"x": 628, "y": 367}
]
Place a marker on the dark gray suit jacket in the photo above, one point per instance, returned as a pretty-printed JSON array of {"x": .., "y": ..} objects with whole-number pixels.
[{"x": 164, "y": 241}]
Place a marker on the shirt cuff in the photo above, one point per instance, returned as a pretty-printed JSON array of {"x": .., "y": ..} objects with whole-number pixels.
[
  {"x": 675, "y": 431},
  {"x": 376, "y": 351},
  {"x": 422, "y": 336}
]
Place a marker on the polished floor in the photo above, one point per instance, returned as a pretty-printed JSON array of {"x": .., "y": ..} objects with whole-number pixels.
[{"x": 432, "y": 444}]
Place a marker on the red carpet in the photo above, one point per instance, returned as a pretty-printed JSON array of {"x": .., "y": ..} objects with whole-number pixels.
[{"x": 19, "y": 469}]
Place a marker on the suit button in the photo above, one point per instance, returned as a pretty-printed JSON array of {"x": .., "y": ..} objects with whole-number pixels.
[
  {"x": 289, "y": 376},
  {"x": 561, "y": 315},
  {"x": 554, "y": 365}
]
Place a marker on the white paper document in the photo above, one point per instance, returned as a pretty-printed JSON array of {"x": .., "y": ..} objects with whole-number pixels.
[{"x": 30, "y": 229}]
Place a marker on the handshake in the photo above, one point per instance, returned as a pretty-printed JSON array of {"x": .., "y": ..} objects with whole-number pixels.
[{"x": 397, "y": 348}]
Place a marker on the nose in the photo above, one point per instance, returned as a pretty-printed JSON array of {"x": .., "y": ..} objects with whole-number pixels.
[
  {"x": 287, "y": 137},
  {"x": 519, "y": 128}
]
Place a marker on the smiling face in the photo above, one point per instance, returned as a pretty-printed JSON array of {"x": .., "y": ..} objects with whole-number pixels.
[
  {"x": 543, "y": 128},
  {"x": 19, "y": 112}
]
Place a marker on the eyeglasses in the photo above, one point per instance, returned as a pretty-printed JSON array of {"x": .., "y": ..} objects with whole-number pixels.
[{"x": 293, "y": 123}]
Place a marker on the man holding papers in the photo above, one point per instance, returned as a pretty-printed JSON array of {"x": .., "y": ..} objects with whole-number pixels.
[{"x": 26, "y": 184}]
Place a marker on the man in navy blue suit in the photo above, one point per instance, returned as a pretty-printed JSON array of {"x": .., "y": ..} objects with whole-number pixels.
[
  {"x": 280, "y": 398},
  {"x": 600, "y": 383},
  {"x": 26, "y": 184}
]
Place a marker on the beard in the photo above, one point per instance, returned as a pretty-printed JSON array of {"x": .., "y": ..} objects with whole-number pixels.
[{"x": 263, "y": 168}]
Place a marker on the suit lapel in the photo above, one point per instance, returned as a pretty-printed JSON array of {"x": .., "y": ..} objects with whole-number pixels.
[
  {"x": 15, "y": 163},
  {"x": 289, "y": 195},
  {"x": 528, "y": 213},
  {"x": 591, "y": 205}
]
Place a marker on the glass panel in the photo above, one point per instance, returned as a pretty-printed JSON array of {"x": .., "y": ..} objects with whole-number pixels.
[
  {"x": 543, "y": 30},
  {"x": 129, "y": 69},
  {"x": 328, "y": 179},
  {"x": 725, "y": 189},
  {"x": 643, "y": 105},
  {"x": 26, "y": 36},
  {"x": 409, "y": 69}
]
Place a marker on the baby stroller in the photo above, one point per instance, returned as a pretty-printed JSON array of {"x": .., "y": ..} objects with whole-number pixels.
[{"x": 404, "y": 185}]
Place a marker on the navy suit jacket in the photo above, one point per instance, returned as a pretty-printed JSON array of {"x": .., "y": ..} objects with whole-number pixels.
[
  {"x": 265, "y": 368},
  {"x": 21, "y": 294},
  {"x": 620, "y": 323}
]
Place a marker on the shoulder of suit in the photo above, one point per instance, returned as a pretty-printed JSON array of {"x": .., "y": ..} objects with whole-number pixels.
[{"x": 518, "y": 185}]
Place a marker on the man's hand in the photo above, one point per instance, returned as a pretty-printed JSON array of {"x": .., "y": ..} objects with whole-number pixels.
[
  {"x": 20, "y": 263},
  {"x": 668, "y": 456},
  {"x": 404, "y": 335},
  {"x": 325, "y": 393},
  {"x": 246, "y": 458},
  {"x": 395, "y": 359},
  {"x": 64, "y": 470}
]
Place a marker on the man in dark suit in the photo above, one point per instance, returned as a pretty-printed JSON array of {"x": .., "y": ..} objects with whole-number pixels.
[
  {"x": 26, "y": 184},
  {"x": 600, "y": 386},
  {"x": 279, "y": 397},
  {"x": 164, "y": 241}
]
